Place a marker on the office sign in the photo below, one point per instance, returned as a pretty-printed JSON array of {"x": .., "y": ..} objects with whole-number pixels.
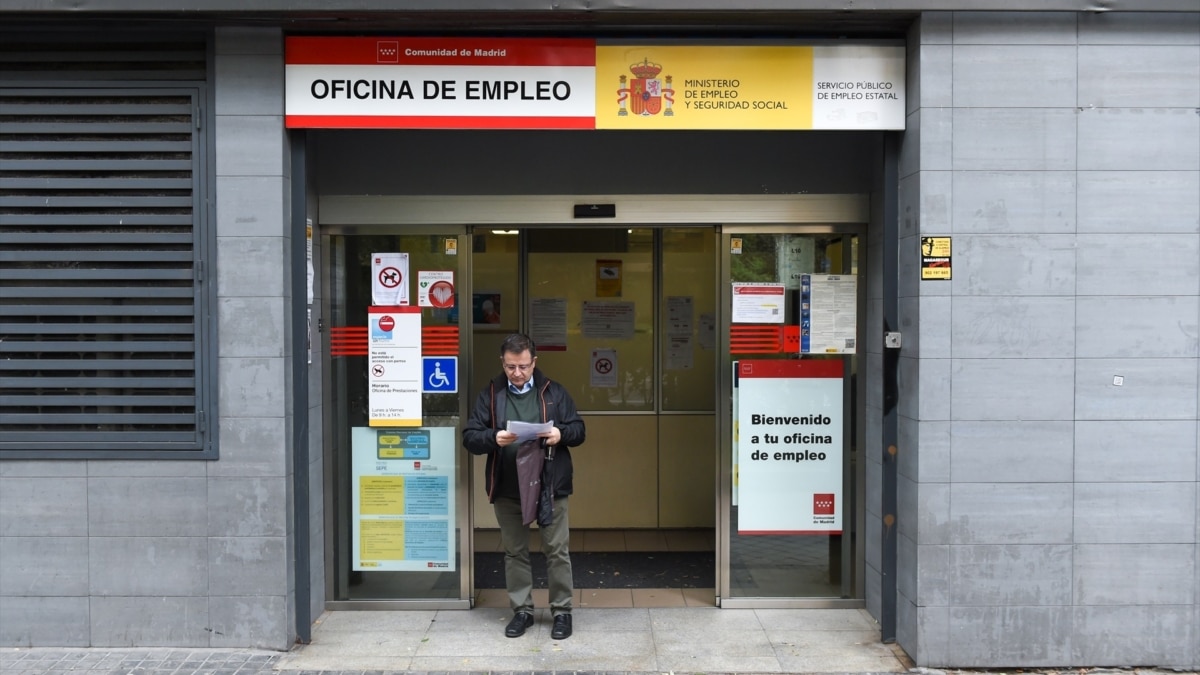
[
  {"x": 445, "y": 83},
  {"x": 789, "y": 446},
  {"x": 555, "y": 83}
]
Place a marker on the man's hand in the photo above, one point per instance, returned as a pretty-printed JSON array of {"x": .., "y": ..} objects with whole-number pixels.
[
  {"x": 505, "y": 438},
  {"x": 552, "y": 437}
]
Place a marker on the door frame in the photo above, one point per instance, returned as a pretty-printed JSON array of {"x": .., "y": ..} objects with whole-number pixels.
[
  {"x": 854, "y": 474},
  {"x": 379, "y": 214}
]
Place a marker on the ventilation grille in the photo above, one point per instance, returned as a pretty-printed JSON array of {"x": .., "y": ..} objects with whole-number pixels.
[{"x": 99, "y": 279}]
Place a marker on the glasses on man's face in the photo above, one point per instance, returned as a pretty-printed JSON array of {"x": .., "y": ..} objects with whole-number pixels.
[{"x": 522, "y": 367}]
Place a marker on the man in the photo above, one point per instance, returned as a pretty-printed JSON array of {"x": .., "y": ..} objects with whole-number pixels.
[{"x": 522, "y": 393}]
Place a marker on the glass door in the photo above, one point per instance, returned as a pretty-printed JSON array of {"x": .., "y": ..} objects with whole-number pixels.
[
  {"x": 395, "y": 472},
  {"x": 792, "y": 306}
]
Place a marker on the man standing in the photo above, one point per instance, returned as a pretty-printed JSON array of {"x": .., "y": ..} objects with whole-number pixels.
[{"x": 522, "y": 393}]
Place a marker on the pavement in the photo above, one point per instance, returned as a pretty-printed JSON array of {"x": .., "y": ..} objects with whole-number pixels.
[{"x": 606, "y": 640}]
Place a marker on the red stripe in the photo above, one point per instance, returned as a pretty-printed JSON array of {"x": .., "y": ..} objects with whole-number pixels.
[
  {"x": 301, "y": 50},
  {"x": 791, "y": 368},
  {"x": 435, "y": 122}
]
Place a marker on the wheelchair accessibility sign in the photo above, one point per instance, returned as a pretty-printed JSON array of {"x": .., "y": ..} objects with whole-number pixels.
[{"x": 440, "y": 375}]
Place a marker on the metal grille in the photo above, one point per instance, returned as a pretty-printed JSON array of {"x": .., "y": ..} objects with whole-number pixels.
[{"x": 102, "y": 302}]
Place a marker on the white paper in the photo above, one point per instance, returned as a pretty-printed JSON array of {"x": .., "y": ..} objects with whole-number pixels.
[
  {"x": 389, "y": 279},
  {"x": 758, "y": 303},
  {"x": 603, "y": 319},
  {"x": 604, "y": 368},
  {"x": 548, "y": 323},
  {"x": 308, "y": 244},
  {"x": 528, "y": 431},
  {"x": 828, "y": 319}
]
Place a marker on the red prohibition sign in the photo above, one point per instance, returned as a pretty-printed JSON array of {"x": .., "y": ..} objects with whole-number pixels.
[
  {"x": 603, "y": 366},
  {"x": 387, "y": 323},
  {"x": 377, "y": 371},
  {"x": 389, "y": 277}
]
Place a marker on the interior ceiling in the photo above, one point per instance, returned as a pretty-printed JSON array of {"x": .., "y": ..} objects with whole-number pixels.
[{"x": 616, "y": 24}]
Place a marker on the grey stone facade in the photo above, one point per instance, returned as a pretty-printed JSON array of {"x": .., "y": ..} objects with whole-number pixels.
[{"x": 1047, "y": 515}]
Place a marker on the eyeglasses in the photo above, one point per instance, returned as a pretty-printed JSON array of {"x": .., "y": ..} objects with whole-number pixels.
[{"x": 523, "y": 367}]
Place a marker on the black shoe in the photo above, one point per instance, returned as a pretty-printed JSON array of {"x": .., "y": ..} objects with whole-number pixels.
[
  {"x": 522, "y": 620},
  {"x": 562, "y": 627}
]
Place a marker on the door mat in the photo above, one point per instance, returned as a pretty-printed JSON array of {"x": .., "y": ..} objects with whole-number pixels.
[{"x": 612, "y": 569}]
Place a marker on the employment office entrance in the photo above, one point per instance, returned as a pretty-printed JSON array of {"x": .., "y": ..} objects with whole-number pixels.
[{"x": 643, "y": 318}]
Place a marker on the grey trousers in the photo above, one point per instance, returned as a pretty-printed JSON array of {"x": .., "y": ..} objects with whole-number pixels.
[{"x": 518, "y": 575}]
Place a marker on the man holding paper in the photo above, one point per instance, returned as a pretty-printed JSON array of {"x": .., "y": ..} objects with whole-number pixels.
[{"x": 525, "y": 423}]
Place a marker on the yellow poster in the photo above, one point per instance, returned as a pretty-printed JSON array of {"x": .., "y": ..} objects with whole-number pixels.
[
  {"x": 381, "y": 495},
  {"x": 382, "y": 540},
  {"x": 935, "y": 258},
  {"x": 608, "y": 278},
  {"x": 655, "y": 87}
]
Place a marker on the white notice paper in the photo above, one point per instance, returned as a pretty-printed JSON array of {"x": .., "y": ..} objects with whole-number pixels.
[
  {"x": 548, "y": 323},
  {"x": 527, "y": 431},
  {"x": 607, "y": 320}
]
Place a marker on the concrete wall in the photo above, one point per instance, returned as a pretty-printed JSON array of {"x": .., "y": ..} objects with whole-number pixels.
[
  {"x": 1048, "y": 515},
  {"x": 186, "y": 553}
]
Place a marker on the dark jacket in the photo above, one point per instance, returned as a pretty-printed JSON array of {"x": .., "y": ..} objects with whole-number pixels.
[{"x": 490, "y": 415}]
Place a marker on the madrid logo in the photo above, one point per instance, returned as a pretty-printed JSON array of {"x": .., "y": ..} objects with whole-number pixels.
[{"x": 645, "y": 93}]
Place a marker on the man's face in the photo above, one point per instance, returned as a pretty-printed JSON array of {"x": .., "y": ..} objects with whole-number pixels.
[{"x": 518, "y": 367}]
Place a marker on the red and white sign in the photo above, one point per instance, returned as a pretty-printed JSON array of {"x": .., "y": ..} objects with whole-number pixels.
[
  {"x": 435, "y": 289},
  {"x": 440, "y": 83},
  {"x": 790, "y": 446},
  {"x": 394, "y": 359},
  {"x": 389, "y": 279},
  {"x": 758, "y": 302}
]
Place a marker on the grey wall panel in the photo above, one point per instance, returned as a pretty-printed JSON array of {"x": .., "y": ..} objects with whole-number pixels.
[{"x": 1010, "y": 575}]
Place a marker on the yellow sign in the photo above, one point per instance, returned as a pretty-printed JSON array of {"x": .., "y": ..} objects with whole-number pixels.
[
  {"x": 935, "y": 258},
  {"x": 608, "y": 278},
  {"x": 381, "y": 540},
  {"x": 656, "y": 87},
  {"x": 381, "y": 495}
]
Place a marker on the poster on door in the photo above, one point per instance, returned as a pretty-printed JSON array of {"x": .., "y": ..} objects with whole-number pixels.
[
  {"x": 394, "y": 366},
  {"x": 389, "y": 279},
  {"x": 828, "y": 320},
  {"x": 435, "y": 289},
  {"x": 604, "y": 368},
  {"x": 789, "y": 446},
  {"x": 402, "y": 500}
]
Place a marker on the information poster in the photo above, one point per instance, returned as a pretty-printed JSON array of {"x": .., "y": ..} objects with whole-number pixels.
[
  {"x": 789, "y": 446},
  {"x": 403, "y": 502},
  {"x": 435, "y": 289},
  {"x": 607, "y": 319},
  {"x": 680, "y": 322},
  {"x": 548, "y": 323},
  {"x": 828, "y": 319},
  {"x": 758, "y": 303},
  {"x": 394, "y": 366}
]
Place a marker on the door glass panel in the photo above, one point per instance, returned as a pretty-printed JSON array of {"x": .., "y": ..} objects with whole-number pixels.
[
  {"x": 688, "y": 339},
  {"x": 495, "y": 302},
  {"x": 790, "y": 476},
  {"x": 591, "y": 305},
  {"x": 358, "y": 449}
]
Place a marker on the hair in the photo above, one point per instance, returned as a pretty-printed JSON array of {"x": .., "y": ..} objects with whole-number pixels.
[{"x": 516, "y": 343}]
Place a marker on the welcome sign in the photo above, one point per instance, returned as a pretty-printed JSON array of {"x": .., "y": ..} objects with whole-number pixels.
[{"x": 536, "y": 83}]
